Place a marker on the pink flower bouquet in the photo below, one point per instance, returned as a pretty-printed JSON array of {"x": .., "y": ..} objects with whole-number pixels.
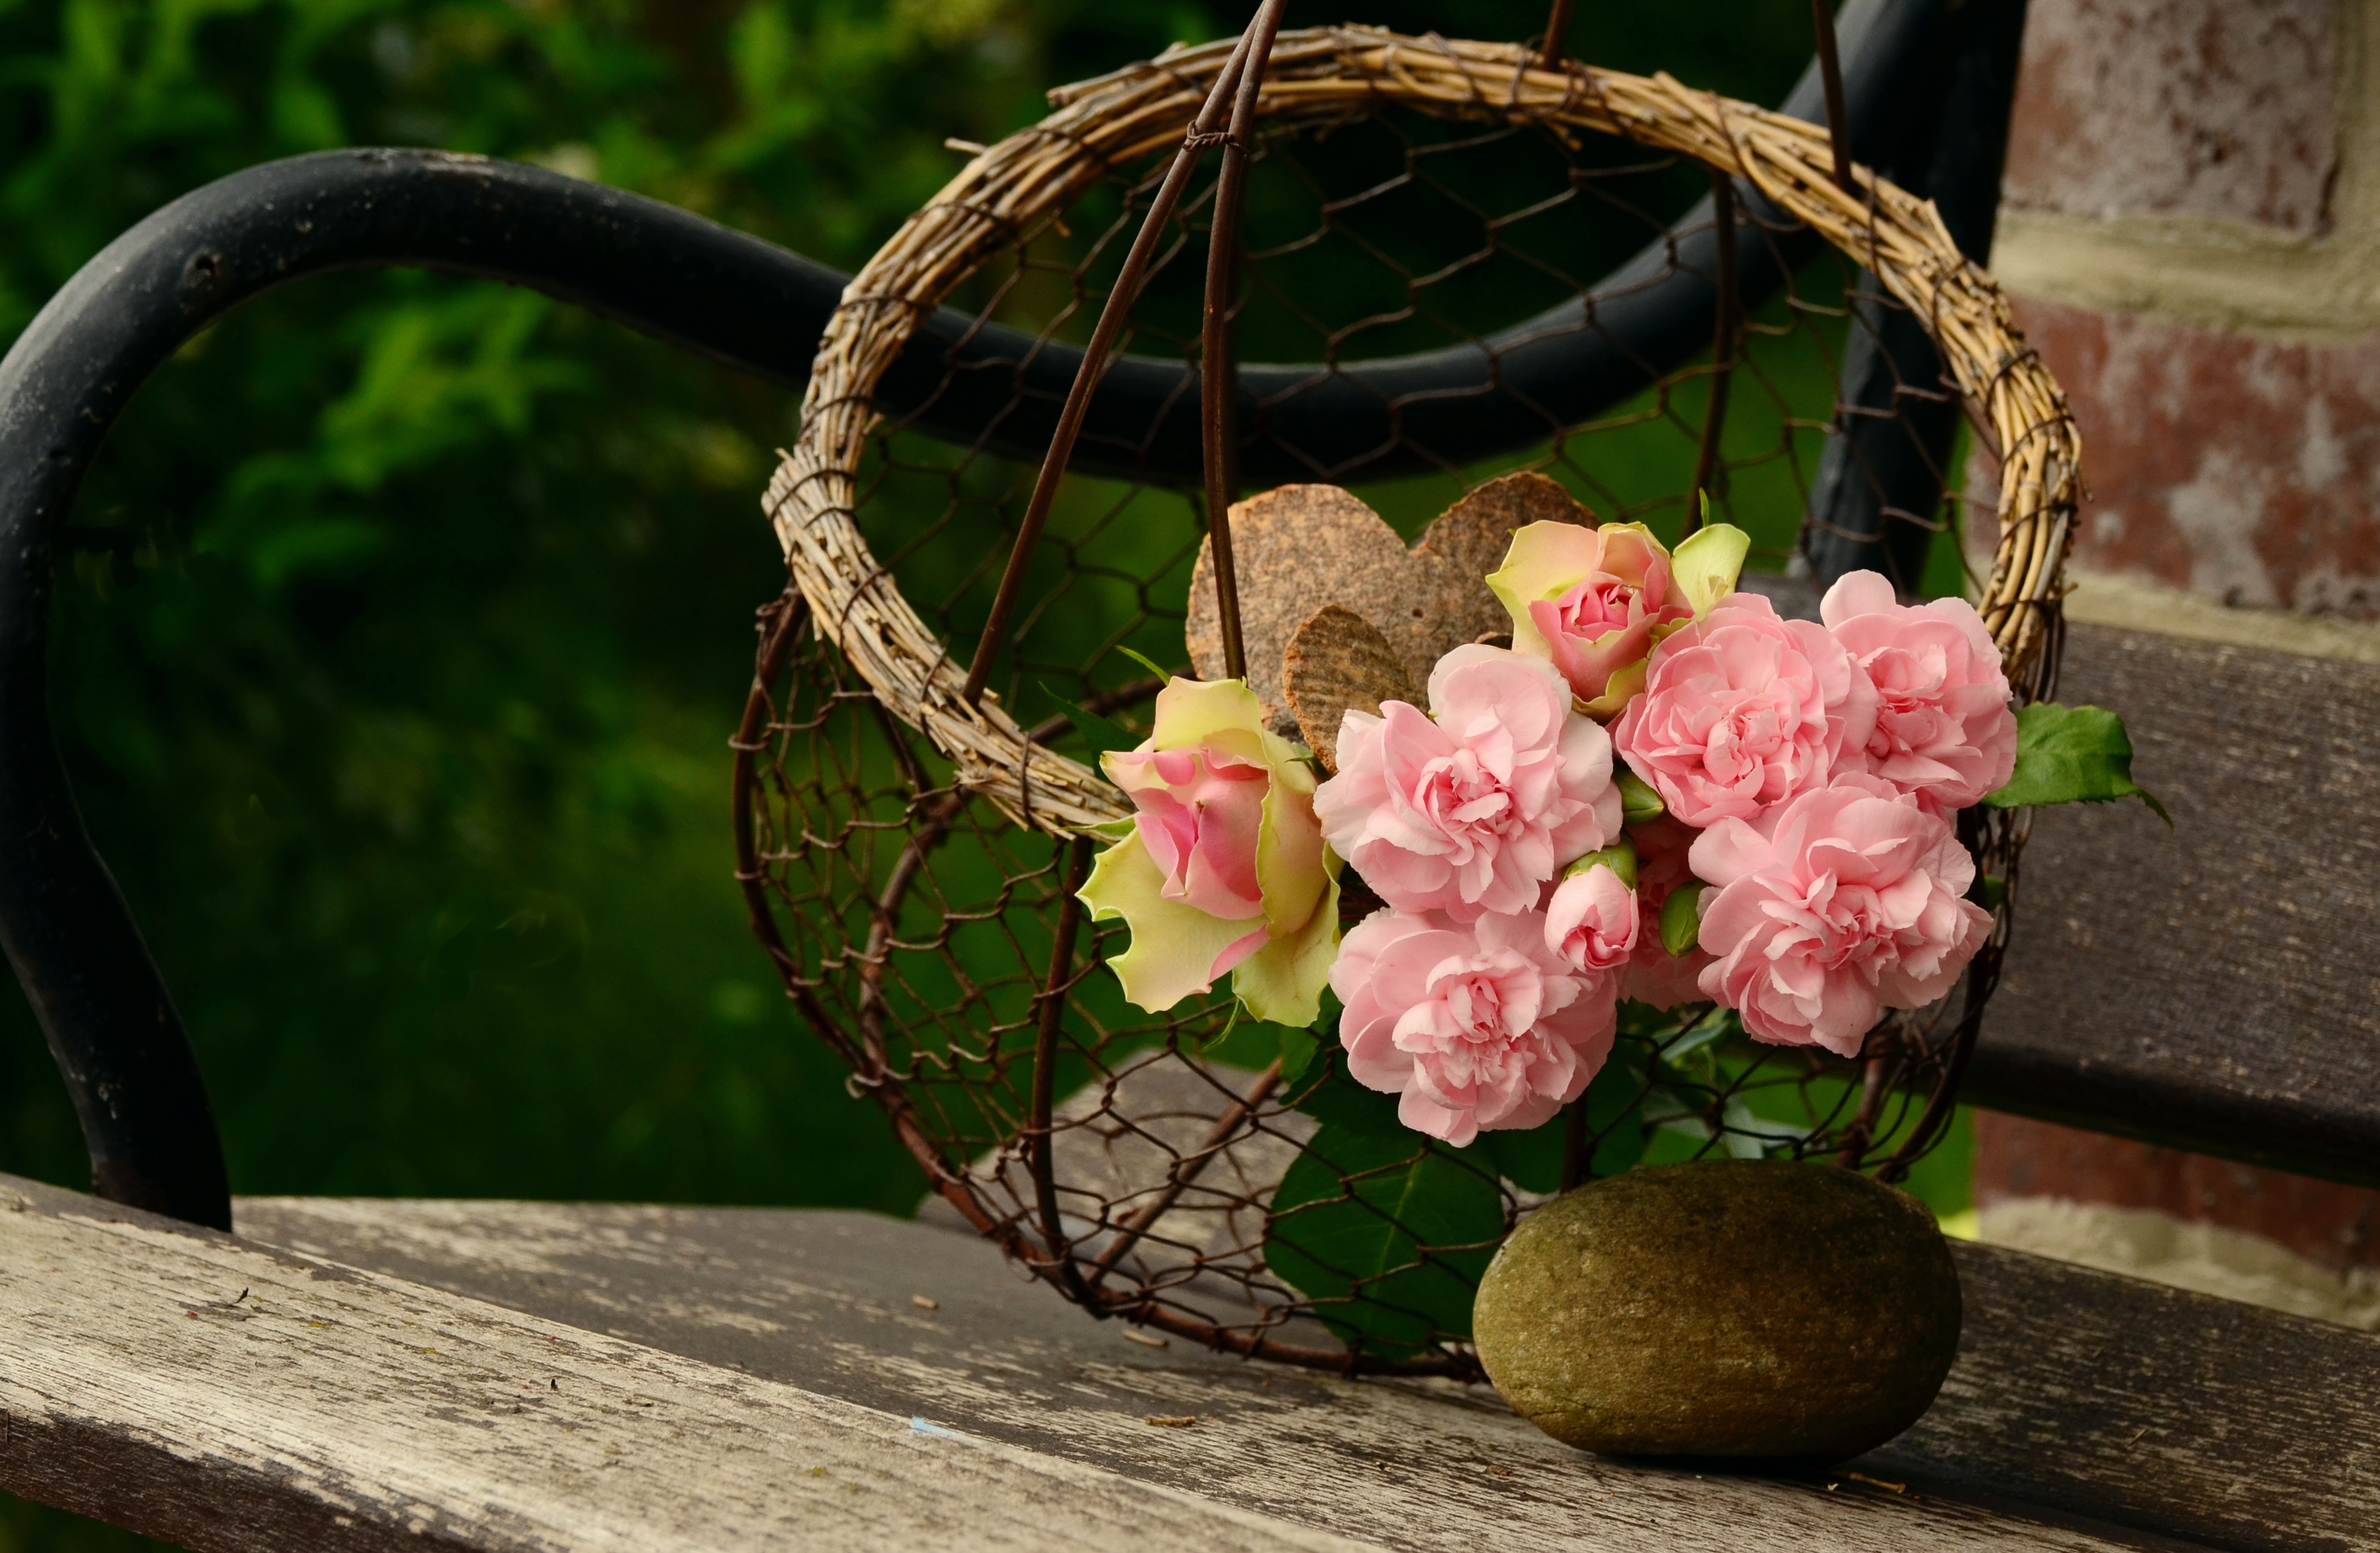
[
  {"x": 1662, "y": 796},
  {"x": 1807, "y": 799}
]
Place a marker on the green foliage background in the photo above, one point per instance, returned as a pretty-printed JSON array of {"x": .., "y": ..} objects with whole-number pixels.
[{"x": 407, "y": 616}]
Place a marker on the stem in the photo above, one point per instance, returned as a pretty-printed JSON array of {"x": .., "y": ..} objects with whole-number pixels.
[
  {"x": 1078, "y": 396},
  {"x": 1045, "y": 1067},
  {"x": 1723, "y": 341},
  {"x": 1577, "y": 1152},
  {"x": 1219, "y": 385},
  {"x": 1830, "y": 71},
  {"x": 1862, "y": 1129},
  {"x": 1557, "y": 35}
]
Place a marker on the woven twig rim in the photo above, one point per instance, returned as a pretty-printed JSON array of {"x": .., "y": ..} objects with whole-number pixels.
[{"x": 1324, "y": 73}]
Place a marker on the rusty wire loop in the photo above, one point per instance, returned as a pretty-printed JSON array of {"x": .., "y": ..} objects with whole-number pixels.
[
  {"x": 925, "y": 917},
  {"x": 1185, "y": 1170}
]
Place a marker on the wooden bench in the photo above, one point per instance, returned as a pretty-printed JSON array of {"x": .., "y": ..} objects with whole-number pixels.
[
  {"x": 369, "y": 1375},
  {"x": 2217, "y": 987}
]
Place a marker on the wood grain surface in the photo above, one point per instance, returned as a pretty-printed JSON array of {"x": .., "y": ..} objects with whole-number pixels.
[
  {"x": 531, "y": 1376},
  {"x": 2223, "y": 1423},
  {"x": 2215, "y": 987},
  {"x": 2086, "y": 1394},
  {"x": 221, "y": 1395}
]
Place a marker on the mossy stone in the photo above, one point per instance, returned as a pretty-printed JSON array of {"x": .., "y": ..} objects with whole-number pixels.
[{"x": 1734, "y": 1308}]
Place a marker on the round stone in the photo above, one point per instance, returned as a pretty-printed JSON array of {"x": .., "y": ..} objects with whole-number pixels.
[{"x": 1729, "y": 1307}]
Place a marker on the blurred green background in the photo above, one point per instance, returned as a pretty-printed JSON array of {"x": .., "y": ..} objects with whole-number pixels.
[{"x": 406, "y": 617}]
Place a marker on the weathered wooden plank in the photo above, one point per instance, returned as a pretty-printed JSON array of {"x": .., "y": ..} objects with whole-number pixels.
[
  {"x": 2099, "y": 1396},
  {"x": 240, "y": 1423},
  {"x": 2158, "y": 1408},
  {"x": 227, "y": 1397},
  {"x": 2215, "y": 987}
]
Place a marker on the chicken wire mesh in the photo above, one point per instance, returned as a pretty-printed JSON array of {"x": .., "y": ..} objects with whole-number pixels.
[{"x": 1194, "y": 1171}]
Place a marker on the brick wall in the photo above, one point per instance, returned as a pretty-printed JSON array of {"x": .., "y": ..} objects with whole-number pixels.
[{"x": 2191, "y": 233}]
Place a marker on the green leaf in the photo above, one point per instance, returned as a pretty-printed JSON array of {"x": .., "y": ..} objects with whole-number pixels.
[
  {"x": 1298, "y": 1049},
  {"x": 1255, "y": 1045},
  {"x": 1750, "y": 1137},
  {"x": 1104, "y": 733},
  {"x": 1615, "y": 1114},
  {"x": 1387, "y": 1230},
  {"x": 1336, "y": 1100},
  {"x": 1146, "y": 662},
  {"x": 1533, "y": 1161},
  {"x": 1715, "y": 1025},
  {"x": 2068, "y": 755}
]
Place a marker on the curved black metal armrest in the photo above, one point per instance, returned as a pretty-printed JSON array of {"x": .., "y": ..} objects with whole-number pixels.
[{"x": 78, "y": 954}]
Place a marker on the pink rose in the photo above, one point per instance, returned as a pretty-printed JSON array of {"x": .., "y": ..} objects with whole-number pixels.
[
  {"x": 1476, "y": 1026},
  {"x": 1592, "y": 920},
  {"x": 1593, "y": 602},
  {"x": 1851, "y": 905},
  {"x": 1199, "y": 813},
  {"x": 1743, "y": 711},
  {"x": 1473, "y": 812},
  {"x": 1943, "y": 727},
  {"x": 1223, "y": 871}
]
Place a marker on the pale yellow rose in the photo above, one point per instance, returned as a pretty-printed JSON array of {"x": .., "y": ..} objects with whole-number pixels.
[{"x": 1223, "y": 868}]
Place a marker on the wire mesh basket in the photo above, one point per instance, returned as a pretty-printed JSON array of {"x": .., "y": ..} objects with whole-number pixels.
[{"x": 1457, "y": 281}]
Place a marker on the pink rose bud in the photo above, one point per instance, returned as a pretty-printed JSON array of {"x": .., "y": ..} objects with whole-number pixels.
[
  {"x": 1637, "y": 799},
  {"x": 1619, "y": 857},
  {"x": 1852, "y": 903},
  {"x": 1470, "y": 808},
  {"x": 1653, "y": 976},
  {"x": 1592, "y": 920},
  {"x": 1477, "y": 1027},
  {"x": 1594, "y": 602},
  {"x": 1682, "y": 918},
  {"x": 1743, "y": 711},
  {"x": 1943, "y": 728}
]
